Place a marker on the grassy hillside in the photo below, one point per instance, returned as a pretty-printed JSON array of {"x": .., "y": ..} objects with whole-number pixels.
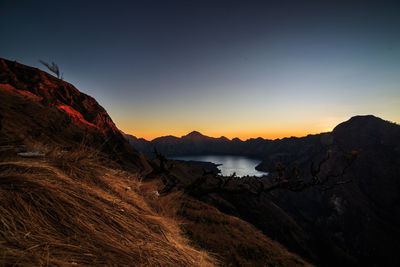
[
  {"x": 88, "y": 198},
  {"x": 70, "y": 208},
  {"x": 79, "y": 207}
]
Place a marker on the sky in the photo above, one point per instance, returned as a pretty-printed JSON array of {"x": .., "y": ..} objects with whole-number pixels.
[{"x": 244, "y": 69}]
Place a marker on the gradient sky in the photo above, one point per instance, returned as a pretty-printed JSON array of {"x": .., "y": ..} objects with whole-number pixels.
[{"x": 232, "y": 68}]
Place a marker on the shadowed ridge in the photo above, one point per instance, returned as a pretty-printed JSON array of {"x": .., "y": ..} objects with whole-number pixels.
[
  {"x": 367, "y": 131},
  {"x": 163, "y": 139},
  {"x": 194, "y": 135},
  {"x": 360, "y": 123}
]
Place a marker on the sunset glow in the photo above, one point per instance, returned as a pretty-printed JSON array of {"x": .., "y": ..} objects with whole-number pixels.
[{"x": 261, "y": 69}]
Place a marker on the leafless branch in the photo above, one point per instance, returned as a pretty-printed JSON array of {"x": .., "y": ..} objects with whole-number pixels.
[
  {"x": 287, "y": 178},
  {"x": 53, "y": 67}
]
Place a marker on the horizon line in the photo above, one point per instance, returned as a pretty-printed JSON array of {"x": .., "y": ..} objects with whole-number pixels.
[{"x": 223, "y": 136}]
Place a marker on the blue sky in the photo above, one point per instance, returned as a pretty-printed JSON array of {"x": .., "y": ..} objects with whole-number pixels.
[{"x": 233, "y": 68}]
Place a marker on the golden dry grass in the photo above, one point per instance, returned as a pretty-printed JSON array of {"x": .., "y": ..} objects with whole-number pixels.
[
  {"x": 231, "y": 240},
  {"x": 78, "y": 207},
  {"x": 71, "y": 208}
]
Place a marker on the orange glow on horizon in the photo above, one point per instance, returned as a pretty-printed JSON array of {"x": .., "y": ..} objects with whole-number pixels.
[
  {"x": 247, "y": 130},
  {"x": 230, "y": 135}
]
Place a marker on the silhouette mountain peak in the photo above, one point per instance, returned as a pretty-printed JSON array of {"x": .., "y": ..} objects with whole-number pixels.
[{"x": 194, "y": 135}]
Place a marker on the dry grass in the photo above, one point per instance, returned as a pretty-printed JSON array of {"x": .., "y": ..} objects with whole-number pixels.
[
  {"x": 71, "y": 208},
  {"x": 231, "y": 240},
  {"x": 78, "y": 207}
]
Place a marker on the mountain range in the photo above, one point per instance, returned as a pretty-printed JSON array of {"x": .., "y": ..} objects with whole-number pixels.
[
  {"x": 269, "y": 151},
  {"x": 349, "y": 225},
  {"x": 74, "y": 191}
]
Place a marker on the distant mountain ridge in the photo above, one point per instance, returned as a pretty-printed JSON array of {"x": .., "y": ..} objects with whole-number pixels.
[
  {"x": 270, "y": 151},
  {"x": 195, "y": 143}
]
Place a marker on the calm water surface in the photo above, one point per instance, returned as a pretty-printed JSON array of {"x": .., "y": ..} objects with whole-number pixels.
[{"x": 229, "y": 164}]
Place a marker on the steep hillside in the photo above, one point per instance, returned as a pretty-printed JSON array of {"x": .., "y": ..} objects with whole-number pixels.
[
  {"x": 38, "y": 106},
  {"x": 74, "y": 192},
  {"x": 68, "y": 209}
]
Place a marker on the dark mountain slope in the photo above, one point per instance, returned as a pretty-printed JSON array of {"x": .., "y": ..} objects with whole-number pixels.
[{"x": 355, "y": 224}]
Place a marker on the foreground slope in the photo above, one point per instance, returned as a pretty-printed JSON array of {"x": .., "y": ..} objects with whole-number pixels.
[
  {"x": 68, "y": 209},
  {"x": 74, "y": 192}
]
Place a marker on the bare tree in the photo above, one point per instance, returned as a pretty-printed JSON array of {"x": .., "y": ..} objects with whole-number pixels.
[
  {"x": 169, "y": 180},
  {"x": 163, "y": 162},
  {"x": 288, "y": 178},
  {"x": 53, "y": 67}
]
